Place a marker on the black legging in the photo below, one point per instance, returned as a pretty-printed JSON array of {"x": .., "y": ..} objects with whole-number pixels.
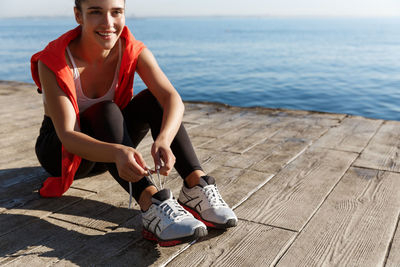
[{"x": 105, "y": 121}]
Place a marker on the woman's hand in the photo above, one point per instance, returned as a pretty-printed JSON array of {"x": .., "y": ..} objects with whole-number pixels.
[
  {"x": 130, "y": 164},
  {"x": 163, "y": 157}
]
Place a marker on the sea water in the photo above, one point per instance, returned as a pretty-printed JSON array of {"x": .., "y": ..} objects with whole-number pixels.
[{"x": 341, "y": 65}]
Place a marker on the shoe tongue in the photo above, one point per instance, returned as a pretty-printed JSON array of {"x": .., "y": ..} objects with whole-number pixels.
[
  {"x": 206, "y": 180},
  {"x": 161, "y": 196}
]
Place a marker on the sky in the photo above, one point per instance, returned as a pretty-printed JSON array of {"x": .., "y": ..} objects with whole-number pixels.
[{"x": 149, "y": 8}]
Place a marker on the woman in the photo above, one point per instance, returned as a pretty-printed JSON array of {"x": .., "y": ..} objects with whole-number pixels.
[{"x": 91, "y": 120}]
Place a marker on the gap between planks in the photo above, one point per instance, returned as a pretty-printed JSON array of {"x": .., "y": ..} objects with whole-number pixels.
[{"x": 392, "y": 240}]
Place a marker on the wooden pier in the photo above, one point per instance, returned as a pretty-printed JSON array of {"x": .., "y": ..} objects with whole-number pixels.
[{"x": 309, "y": 188}]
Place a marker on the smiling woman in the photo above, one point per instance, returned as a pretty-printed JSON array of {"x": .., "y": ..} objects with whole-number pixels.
[{"x": 92, "y": 121}]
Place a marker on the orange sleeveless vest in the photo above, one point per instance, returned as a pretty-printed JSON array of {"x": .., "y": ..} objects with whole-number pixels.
[{"x": 53, "y": 56}]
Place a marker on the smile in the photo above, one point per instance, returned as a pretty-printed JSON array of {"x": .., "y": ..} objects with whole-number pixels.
[{"x": 105, "y": 34}]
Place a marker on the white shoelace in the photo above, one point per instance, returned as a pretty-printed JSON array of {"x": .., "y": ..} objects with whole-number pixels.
[
  {"x": 173, "y": 210},
  {"x": 160, "y": 181},
  {"x": 214, "y": 197}
]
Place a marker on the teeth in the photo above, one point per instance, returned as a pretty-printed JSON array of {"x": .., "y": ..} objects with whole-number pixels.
[{"x": 105, "y": 33}]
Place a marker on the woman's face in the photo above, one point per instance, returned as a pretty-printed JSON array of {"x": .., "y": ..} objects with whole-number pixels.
[{"x": 102, "y": 21}]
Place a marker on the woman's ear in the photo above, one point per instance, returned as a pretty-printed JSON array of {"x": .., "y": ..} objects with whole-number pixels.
[{"x": 78, "y": 16}]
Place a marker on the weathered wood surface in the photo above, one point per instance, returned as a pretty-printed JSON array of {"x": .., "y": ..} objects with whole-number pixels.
[
  {"x": 310, "y": 189},
  {"x": 355, "y": 224},
  {"x": 394, "y": 251},
  {"x": 294, "y": 194},
  {"x": 383, "y": 152}
]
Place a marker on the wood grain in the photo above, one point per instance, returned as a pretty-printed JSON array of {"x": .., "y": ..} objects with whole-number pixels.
[
  {"x": 243, "y": 139},
  {"x": 250, "y": 244},
  {"x": 393, "y": 259},
  {"x": 383, "y": 152},
  {"x": 354, "y": 225},
  {"x": 353, "y": 134},
  {"x": 291, "y": 197}
]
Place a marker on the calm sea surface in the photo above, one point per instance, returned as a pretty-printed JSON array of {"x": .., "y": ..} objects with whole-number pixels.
[{"x": 335, "y": 65}]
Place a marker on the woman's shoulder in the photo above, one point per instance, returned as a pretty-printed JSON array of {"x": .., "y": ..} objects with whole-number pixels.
[{"x": 130, "y": 41}]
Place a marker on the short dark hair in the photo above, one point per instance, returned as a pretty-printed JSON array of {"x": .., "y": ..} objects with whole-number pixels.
[{"x": 78, "y": 4}]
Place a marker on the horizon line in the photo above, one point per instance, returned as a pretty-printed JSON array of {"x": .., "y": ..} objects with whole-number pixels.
[{"x": 132, "y": 16}]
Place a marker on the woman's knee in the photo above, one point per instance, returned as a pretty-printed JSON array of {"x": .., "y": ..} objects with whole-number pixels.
[
  {"x": 104, "y": 121},
  {"x": 147, "y": 98},
  {"x": 104, "y": 110}
]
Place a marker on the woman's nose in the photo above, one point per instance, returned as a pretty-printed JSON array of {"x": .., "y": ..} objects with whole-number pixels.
[{"x": 107, "y": 19}]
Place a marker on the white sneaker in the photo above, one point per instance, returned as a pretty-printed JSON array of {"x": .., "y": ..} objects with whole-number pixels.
[
  {"x": 206, "y": 204},
  {"x": 167, "y": 223}
]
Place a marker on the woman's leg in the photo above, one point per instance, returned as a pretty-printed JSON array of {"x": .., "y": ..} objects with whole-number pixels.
[
  {"x": 48, "y": 151},
  {"x": 104, "y": 121},
  {"x": 144, "y": 112}
]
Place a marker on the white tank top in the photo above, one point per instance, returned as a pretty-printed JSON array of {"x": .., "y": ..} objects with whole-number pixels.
[{"x": 85, "y": 102}]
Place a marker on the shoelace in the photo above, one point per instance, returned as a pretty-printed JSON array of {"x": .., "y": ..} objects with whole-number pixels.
[
  {"x": 213, "y": 196},
  {"x": 172, "y": 209},
  {"x": 161, "y": 184}
]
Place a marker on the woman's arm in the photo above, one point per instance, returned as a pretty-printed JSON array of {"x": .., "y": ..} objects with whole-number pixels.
[
  {"x": 172, "y": 105},
  {"x": 63, "y": 116}
]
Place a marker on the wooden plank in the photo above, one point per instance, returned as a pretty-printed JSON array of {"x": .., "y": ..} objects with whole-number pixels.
[
  {"x": 13, "y": 177},
  {"x": 248, "y": 244},
  {"x": 353, "y": 134},
  {"x": 220, "y": 126},
  {"x": 125, "y": 240},
  {"x": 17, "y": 150},
  {"x": 355, "y": 224},
  {"x": 211, "y": 160},
  {"x": 393, "y": 259},
  {"x": 204, "y": 113},
  {"x": 20, "y": 184},
  {"x": 15, "y": 115},
  {"x": 27, "y": 226},
  {"x": 383, "y": 152},
  {"x": 32, "y": 206},
  {"x": 34, "y": 236},
  {"x": 101, "y": 213},
  {"x": 283, "y": 147},
  {"x": 20, "y": 216},
  {"x": 243, "y": 139},
  {"x": 320, "y": 119},
  {"x": 304, "y": 129},
  {"x": 291, "y": 197},
  {"x": 198, "y": 141},
  {"x": 237, "y": 185},
  {"x": 277, "y": 155},
  {"x": 19, "y": 133}
]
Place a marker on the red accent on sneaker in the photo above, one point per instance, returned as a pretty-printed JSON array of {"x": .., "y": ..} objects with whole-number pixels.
[
  {"x": 197, "y": 216},
  {"x": 169, "y": 243},
  {"x": 152, "y": 237},
  {"x": 148, "y": 235}
]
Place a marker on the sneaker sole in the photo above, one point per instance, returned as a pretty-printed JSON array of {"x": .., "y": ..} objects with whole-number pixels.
[
  {"x": 230, "y": 223},
  {"x": 198, "y": 233}
]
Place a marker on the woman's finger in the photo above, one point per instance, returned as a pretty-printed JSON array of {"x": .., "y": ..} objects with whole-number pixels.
[
  {"x": 169, "y": 159},
  {"x": 139, "y": 159},
  {"x": 137, "y": 169}
]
